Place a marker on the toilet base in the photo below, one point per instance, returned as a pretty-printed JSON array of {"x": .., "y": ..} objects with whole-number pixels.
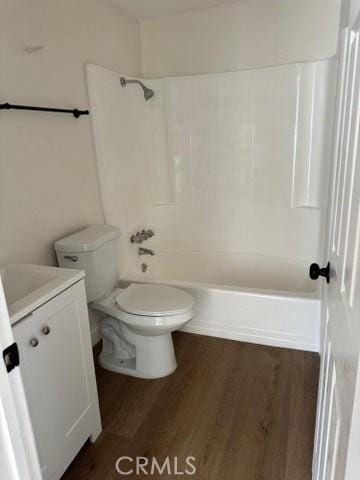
[
  {"x": 129, "y": 353},
  {"x": 127, "y": 367}
]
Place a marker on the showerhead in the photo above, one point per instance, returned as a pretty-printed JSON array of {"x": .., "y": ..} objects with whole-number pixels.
[{"x": 148, "y": 93}]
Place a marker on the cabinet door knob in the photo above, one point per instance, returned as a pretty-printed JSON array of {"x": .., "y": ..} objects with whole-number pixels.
[
  {"x": 46, "y": 330},
  {"x": 34, "y": 342}
]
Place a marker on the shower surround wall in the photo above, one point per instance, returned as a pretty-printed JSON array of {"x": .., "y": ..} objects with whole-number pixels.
[
  {"x": 230, "y": 162},
  {"x": 132, "y": 155}
]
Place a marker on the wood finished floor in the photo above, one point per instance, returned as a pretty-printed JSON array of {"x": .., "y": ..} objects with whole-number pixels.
[{"x": 245, "y": 412}]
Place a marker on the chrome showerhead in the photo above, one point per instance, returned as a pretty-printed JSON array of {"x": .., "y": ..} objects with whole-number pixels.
[{"x": 148, "y": 93}]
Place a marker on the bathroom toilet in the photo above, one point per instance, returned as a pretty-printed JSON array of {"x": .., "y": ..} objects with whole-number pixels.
[
  {"x": 138, "y": 320},
  {"x": 137, "y": 330}
]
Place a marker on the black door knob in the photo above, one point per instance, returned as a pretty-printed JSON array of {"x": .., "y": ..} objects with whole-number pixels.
[{"x": 315, "y": 272}]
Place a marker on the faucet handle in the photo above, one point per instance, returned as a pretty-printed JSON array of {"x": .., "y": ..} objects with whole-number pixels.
[
  {"x": 137, "y": 238},
  {"x": 140, "y": 237}
]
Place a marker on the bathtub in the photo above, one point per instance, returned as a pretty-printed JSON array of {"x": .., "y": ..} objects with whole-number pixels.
[{"x": 252, "y": 298}]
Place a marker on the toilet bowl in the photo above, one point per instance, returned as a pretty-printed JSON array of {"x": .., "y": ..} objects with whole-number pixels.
[
  {"x": 137, "y": 328},
  {"x": 139, "y": 319}
]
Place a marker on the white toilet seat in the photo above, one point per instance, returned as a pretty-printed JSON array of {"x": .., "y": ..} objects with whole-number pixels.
[
  {"x": 161, "y": 308},
  {"x": 149, "y": 325},
  {"x": 154, "y": 300}
]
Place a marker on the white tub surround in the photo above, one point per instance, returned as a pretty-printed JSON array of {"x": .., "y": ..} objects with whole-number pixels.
[
  {"x": 312, "y": 137},
  {"x": 258, "y": 299},
  {"x": 234, "y": 163},
  {"x": 216, "y": 162}
]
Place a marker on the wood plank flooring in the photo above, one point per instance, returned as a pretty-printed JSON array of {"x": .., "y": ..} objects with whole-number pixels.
[{"x": 245, "y": 412}]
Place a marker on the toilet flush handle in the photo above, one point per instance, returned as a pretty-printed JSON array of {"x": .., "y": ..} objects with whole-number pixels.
[{"x": 73, "y": 258}]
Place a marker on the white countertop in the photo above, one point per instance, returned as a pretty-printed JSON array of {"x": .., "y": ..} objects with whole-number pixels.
[{"x": 27, "y": 287}]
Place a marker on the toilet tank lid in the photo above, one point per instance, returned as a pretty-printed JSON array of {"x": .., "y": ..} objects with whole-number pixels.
[{"x": 88, "y": 239}]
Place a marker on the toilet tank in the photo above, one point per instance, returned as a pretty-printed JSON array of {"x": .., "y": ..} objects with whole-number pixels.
[{"x": 95, "y": 250}]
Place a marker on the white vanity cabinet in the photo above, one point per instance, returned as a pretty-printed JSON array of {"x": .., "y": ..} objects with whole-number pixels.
[{"x": 57, "y": 367}]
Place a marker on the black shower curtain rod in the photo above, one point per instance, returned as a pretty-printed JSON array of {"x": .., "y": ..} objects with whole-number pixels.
[{"x": 77, "y": 113}]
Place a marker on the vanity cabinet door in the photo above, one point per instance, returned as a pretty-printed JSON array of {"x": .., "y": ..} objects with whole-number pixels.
[{"x": 57, "y": 368}]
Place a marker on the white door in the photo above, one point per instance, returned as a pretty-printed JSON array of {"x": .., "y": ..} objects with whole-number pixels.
[
  {"x": 18, "y": 457},
  {"x": 337, "y": 447}
]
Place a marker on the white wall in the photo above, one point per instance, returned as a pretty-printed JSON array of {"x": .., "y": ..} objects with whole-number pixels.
[
  {"x": 48, "y": 180},
  {"x": 250, "y": 33}
]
